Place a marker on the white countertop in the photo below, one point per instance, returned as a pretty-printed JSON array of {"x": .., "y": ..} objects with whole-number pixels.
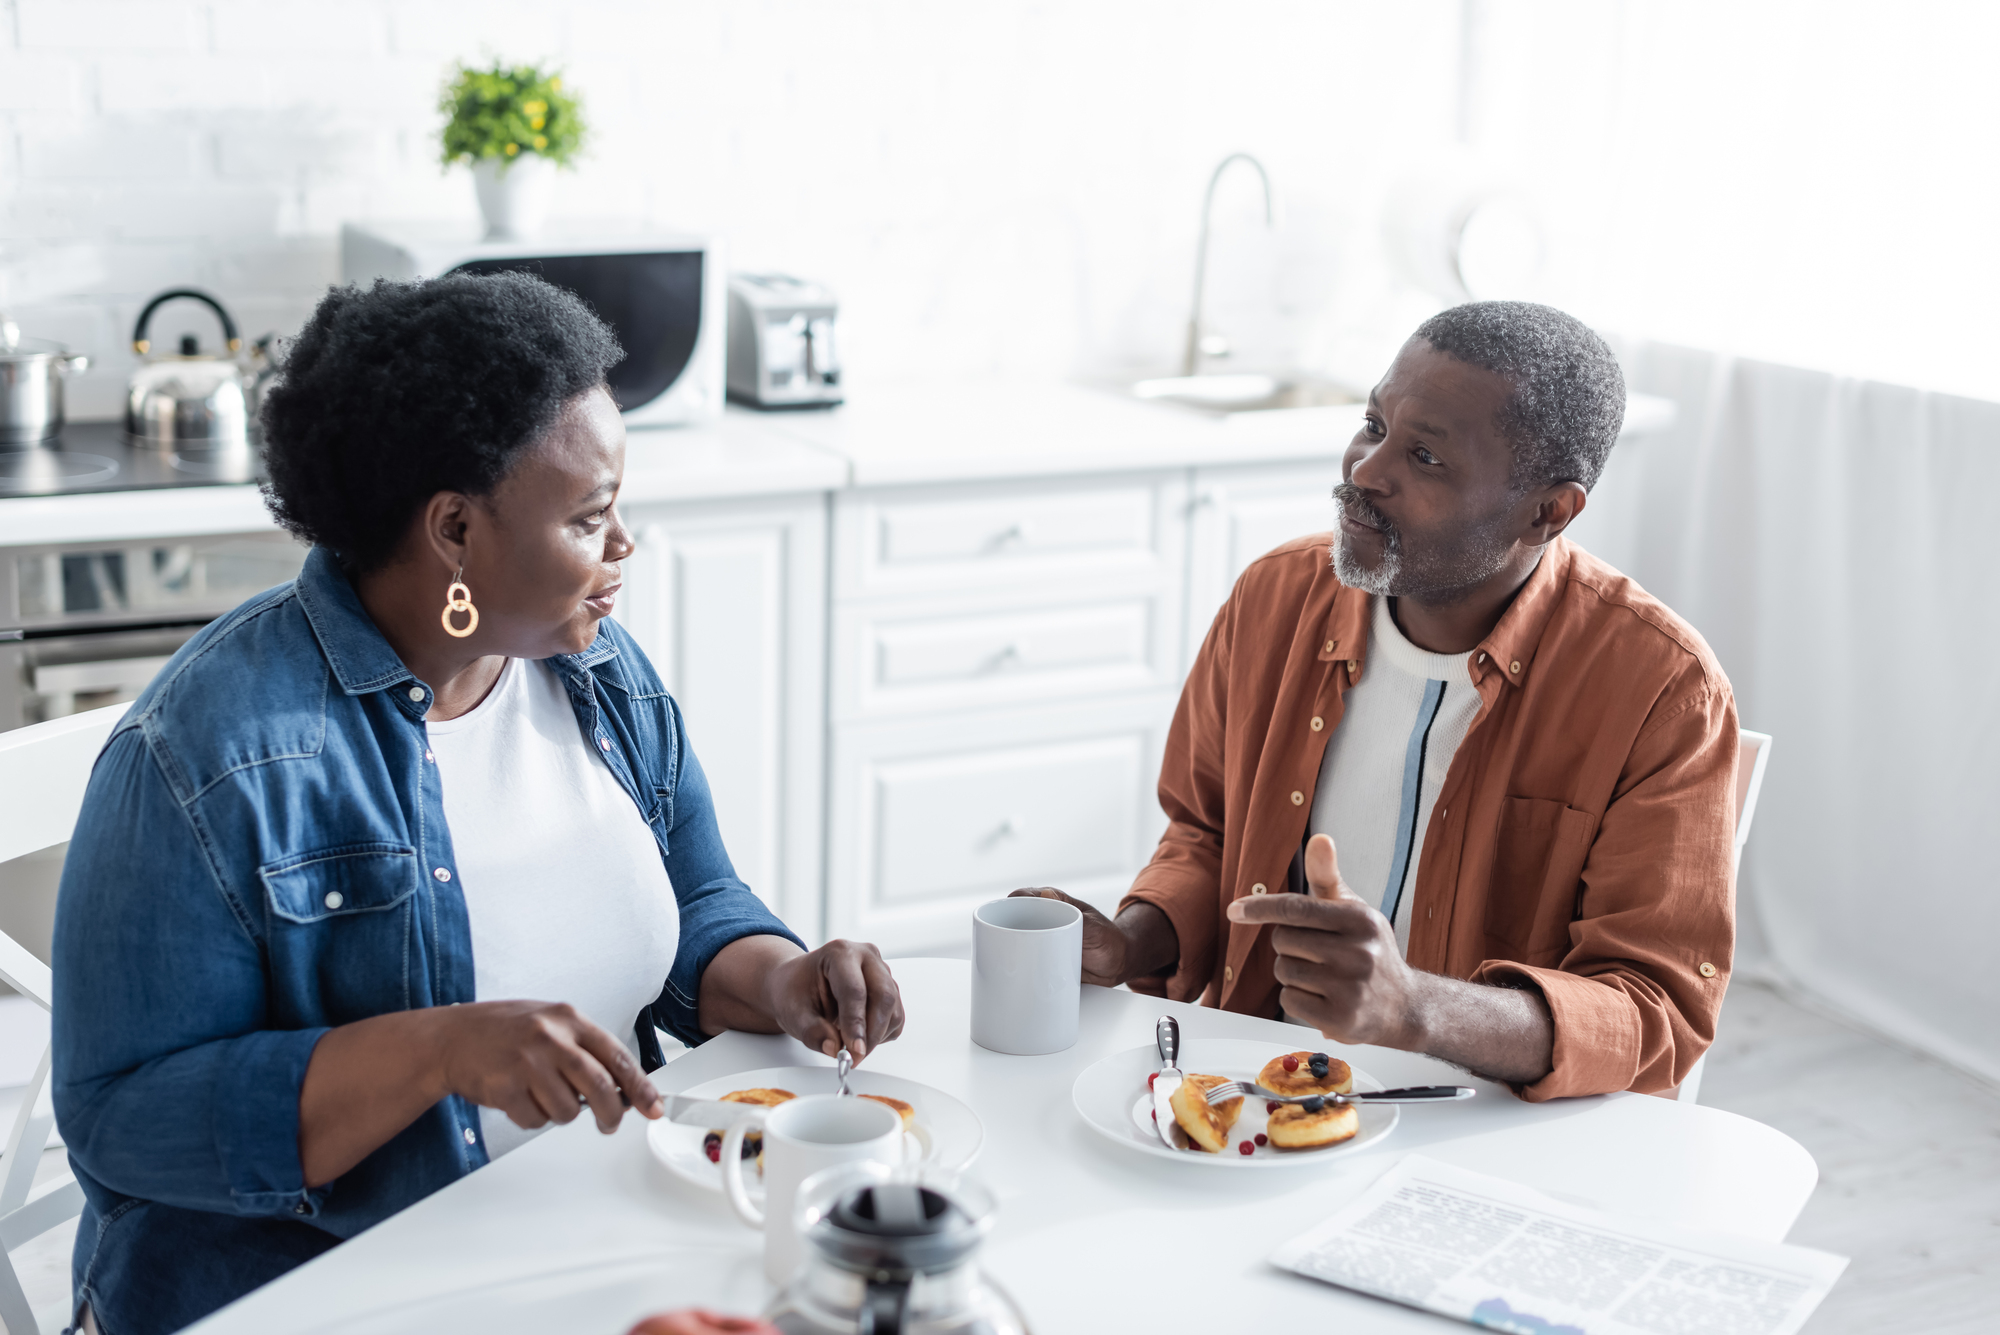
[
  {"x": 891, "y": 433},
  {"x": 956, "y": 430}
]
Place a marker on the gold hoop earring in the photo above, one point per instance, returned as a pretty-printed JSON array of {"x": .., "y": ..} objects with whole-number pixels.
[{"x": 458, "y": 598}]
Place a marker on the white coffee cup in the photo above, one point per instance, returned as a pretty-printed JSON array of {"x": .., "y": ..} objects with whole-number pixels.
[
  {"x": 1027, "y": 975},
  {"x": 801, "y": 1137}
]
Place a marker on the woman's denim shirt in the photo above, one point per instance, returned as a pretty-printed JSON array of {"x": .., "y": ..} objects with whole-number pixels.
[{"x": 263, "y": 855}]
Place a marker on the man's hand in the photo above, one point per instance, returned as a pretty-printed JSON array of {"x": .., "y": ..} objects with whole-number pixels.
[
  {"x": 839, "y": 996},
  {"x": 539, "y": 1062},
  {"x": 1139, "y": 942},
  {"x": 1337, "y": 958}
]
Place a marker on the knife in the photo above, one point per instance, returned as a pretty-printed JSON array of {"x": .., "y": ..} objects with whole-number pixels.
[
  {"x": 1168, "y": 1035},
  {"x": 712, "y": 1113}
]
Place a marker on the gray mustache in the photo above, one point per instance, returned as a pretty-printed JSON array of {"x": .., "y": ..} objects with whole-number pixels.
[{"x": 1355, "y": 502}]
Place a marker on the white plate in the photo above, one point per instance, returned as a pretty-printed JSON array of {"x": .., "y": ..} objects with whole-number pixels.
[
  {"x": 955, "y": 1129},
  {"x": 1113, "y": 1100}
]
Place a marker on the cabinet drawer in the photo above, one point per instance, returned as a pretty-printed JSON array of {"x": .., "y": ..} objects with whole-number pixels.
[
  {"x": 923, "y": 539},
  {"x": 928, "y": 822},
  {"x": 907, "y": 659}
]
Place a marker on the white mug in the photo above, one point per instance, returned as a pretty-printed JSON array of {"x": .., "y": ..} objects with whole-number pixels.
[
  {"x": 801, "y": 1137},
  {"x": 1027, "y": 975}
]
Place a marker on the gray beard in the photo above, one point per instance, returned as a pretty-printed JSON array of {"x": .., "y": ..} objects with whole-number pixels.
[
  {"x": 1429, "y": 577},
  {"x": 1380, "y": 581}
]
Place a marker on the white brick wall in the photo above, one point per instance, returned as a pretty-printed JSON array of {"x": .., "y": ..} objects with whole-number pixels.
[{"x": 1005, "y": 186}]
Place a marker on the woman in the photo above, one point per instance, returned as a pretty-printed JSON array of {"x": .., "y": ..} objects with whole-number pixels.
[{"x": 395, "y": 864}]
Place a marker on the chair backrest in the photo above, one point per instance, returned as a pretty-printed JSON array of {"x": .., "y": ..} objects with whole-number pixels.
[
  {"x": 44, "y": 770},
  {"x": 1753, "y": 752}
]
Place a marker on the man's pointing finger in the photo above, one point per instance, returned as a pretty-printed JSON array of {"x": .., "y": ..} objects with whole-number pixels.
[{"x": 1347, "y": 914}]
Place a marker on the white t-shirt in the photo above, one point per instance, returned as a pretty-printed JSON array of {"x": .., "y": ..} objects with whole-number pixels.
[
  {"x": 1386, "y": 762},
  {"x": 564, "y": 887}
]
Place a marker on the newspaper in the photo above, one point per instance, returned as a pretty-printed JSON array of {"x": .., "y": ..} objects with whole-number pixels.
[{"x": 1505, "y": 1257}]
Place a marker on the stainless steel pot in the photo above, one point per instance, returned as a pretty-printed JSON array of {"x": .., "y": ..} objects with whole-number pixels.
[
  {"x": 31, "y": 386},
  {"x": 188, "y": 400}
]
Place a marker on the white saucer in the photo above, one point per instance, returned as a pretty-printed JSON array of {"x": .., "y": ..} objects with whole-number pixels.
[
  {"x": 955, "y": 1129},
  {"x": 1114, "y": 1101}
]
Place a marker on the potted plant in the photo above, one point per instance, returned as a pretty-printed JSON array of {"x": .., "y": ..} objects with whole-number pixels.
[{"x": 515, "y": 125}]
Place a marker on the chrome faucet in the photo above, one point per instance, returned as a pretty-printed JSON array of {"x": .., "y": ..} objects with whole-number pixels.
[{"x": 1215, "y": 345}]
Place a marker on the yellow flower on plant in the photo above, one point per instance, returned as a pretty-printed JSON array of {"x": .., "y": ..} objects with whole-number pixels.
[
  {"x": 535, "y": 107},
  {"x": 512, "y": 149},
  {"x": 541, "y": 141},
  {"x": 537, "y": 123},
  {"x": 556, "y": 83}
]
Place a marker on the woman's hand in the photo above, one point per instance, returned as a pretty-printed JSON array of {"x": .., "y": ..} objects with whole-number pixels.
[
  {"x": 700, "y": 1321},
  {"x": 534, "y": 1060},
  {"x": 541, "y": 1062},
  {"x": 839, "y": 996}
]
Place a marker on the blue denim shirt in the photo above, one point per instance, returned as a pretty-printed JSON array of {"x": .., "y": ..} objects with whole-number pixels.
[{"x": 262, "y": 855}]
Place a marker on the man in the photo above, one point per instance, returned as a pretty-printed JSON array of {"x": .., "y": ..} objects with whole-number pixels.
[{"x": 1501, "y": 773}]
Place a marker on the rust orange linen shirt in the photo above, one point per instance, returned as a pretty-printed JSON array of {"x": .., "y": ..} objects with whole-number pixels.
[{"x": 1582, "y": 842}]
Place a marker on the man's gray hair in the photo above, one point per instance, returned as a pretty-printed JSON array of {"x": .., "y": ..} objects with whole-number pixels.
[{"x": 1569, "y": 394}]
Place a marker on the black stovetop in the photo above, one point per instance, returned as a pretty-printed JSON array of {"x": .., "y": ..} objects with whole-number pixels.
[{"x": 93, "y": 456}]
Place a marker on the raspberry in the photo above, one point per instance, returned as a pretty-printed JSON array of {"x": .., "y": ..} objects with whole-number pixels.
[
  {"x": 1156, "y": 1114},
  {"x": 1246, "y": 1148},
  {"x": 1271, "y": 1106},
  {"x": 1151, "y": 1078},
  {"x": 1263, "y": 1139},
  {"x": 1291, "y": 1064},
  {"x": 714, "y": 1151}
]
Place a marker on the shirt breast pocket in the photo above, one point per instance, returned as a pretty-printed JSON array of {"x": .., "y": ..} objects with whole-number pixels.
[
  {"x": 341, "y": 922},
  {"x": 1537, "y": 873}
]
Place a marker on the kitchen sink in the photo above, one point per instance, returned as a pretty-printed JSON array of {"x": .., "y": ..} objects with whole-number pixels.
[{"x": 1224, "y": 395}]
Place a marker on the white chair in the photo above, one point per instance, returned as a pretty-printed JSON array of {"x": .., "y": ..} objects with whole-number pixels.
[
  {"x": 43, "y": 772},
  {"x": 1753, "y": 752}
]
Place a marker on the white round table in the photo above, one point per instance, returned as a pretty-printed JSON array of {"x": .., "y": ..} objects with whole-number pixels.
[{"x": 583, "y": 1232}]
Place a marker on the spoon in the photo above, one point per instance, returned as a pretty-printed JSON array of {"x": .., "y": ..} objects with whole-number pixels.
[{"x": 843, "y": 1063}]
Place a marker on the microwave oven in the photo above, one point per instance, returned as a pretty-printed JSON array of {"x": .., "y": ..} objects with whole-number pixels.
[{"x": 664, "y": 294}]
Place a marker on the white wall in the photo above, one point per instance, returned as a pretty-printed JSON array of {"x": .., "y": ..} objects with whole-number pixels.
[{"x": 1004, "y": 186}]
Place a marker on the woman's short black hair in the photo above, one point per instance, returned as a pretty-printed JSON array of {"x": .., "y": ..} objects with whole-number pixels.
[{"x": 392, "y": 394}]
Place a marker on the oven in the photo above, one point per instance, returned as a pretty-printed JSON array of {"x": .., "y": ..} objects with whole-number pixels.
[{"x": 84, "y": 625}]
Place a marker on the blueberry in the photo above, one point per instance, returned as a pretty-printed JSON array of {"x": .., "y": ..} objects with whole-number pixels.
[{"x": 1314, "y": 1104}]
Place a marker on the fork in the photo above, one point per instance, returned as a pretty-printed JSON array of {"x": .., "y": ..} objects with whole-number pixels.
[{"x": 1236, "y": 1089}]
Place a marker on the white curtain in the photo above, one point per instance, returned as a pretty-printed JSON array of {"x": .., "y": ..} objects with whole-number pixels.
[{"x": 1834, "y": 540}]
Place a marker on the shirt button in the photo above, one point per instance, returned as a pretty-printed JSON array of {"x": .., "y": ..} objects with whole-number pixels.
[
  {"x": 1318, "y": 723},
  {"x": 1353, "y": 665},
  {"x": 441, "y": 873},
  {"x": 604, "y": 743},
  {"x": 1331, "y": 645},
  {"x": 430, "y": 758},
  {"x": 1257, "y": 889},
  {"x": 1298, "y": 799},
  {"x": 1482, "y": 658},
  {"x": 1228, "y": 974},
  {"x": 1707, "y": 969},
  {"x": 1514, "y": 666},
  {"x": 334, "y": 899},
  {"x": 417, "y": 694},
  {"x": 471, "y": 1136},
  {"x": 300, "y": 1208}
]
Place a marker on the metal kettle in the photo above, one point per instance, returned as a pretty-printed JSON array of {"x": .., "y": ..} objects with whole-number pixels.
[
  {"x": 893, "y": 1251},
  {"x": 191, "y": 400}
]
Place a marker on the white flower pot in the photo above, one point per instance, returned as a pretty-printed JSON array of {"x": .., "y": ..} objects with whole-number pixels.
[{"x": 514, "y": 194}]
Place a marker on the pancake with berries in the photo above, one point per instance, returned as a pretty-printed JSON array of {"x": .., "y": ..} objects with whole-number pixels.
[
  {"x": 1207, "y": 1125},
  {"x": 903, "y": 1110},
  {"x": 753, "y": 1140},
  {"x": 1312, "y": 1124},
  {"x": 1298, "y": 1073}
]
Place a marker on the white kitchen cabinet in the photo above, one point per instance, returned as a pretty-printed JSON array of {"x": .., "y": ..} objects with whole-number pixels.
[
  {"x": 728, "y": 598},
  {"x": 1238, "y": 514},
  {"x": 930, "y": 817}
]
